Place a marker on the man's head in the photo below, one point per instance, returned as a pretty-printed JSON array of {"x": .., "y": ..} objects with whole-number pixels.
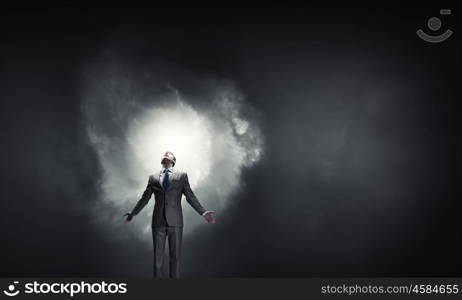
[{"x": 168, "y": 159}]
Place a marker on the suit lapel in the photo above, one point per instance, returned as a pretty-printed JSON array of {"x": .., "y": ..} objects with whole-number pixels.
[
  {"x": 158, "y": 180},
  {"x": 171, "y": 179}
]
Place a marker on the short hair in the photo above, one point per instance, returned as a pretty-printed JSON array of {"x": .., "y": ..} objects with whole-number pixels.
[{"x": 170, "y": 156}]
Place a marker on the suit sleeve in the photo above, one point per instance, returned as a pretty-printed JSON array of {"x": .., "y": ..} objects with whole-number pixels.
[
  {"x": 144, "y": 198},
  {"x": 190, "y": 197}
]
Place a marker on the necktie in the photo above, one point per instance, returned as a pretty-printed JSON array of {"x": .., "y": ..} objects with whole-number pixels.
[{"x": 165, "y": 180}]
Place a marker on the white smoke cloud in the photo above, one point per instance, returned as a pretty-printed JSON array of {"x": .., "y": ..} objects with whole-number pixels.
[{"x": 133, "y": 116}]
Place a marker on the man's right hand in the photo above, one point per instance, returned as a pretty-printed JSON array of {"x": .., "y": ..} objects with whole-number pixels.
[{"x": 129, "y": 217}]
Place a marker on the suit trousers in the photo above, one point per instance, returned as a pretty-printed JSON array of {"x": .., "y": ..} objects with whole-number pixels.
[{"x": 160, "y": 234}]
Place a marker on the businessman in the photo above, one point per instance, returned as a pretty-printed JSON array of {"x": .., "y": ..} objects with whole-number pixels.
[{"x": 168, "y": 186}]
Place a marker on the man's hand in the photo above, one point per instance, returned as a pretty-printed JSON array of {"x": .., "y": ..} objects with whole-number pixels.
[
  {"x": 208, "y": 216},
  {"x": 129, "y": 217}
]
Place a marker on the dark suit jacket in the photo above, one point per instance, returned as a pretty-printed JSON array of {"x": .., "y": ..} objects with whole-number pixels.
[{"x": 168, "y": 202}]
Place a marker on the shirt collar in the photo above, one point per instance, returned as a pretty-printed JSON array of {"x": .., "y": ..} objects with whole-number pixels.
[{"x": 168, "y": 169}]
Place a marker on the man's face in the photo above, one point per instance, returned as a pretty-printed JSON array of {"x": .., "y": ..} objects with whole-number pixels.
[{"x": 166, "y": 163}]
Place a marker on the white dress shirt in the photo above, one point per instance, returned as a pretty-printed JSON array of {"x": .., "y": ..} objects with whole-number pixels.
[{"x": 162, "y": 175}]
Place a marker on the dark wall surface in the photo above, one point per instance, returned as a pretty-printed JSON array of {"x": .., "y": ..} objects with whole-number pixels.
[{"x": 361, "y": 173}]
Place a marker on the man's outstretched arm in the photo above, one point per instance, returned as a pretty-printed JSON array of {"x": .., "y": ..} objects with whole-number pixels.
[
  {"x": 142, "y": 202},
  {"x": 192, "y": 200}
]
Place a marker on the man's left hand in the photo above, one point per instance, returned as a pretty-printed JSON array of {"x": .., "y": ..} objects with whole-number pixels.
[{"x": 209, "y": 217}]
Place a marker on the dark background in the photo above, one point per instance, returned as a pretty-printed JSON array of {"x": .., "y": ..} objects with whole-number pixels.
[{"x": 361, "y": 119}]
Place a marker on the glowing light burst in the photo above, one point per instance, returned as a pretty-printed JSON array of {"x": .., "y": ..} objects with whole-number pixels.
[
  {"x": 177, "y": 128},
  {"x": 211, "y": 145}
]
